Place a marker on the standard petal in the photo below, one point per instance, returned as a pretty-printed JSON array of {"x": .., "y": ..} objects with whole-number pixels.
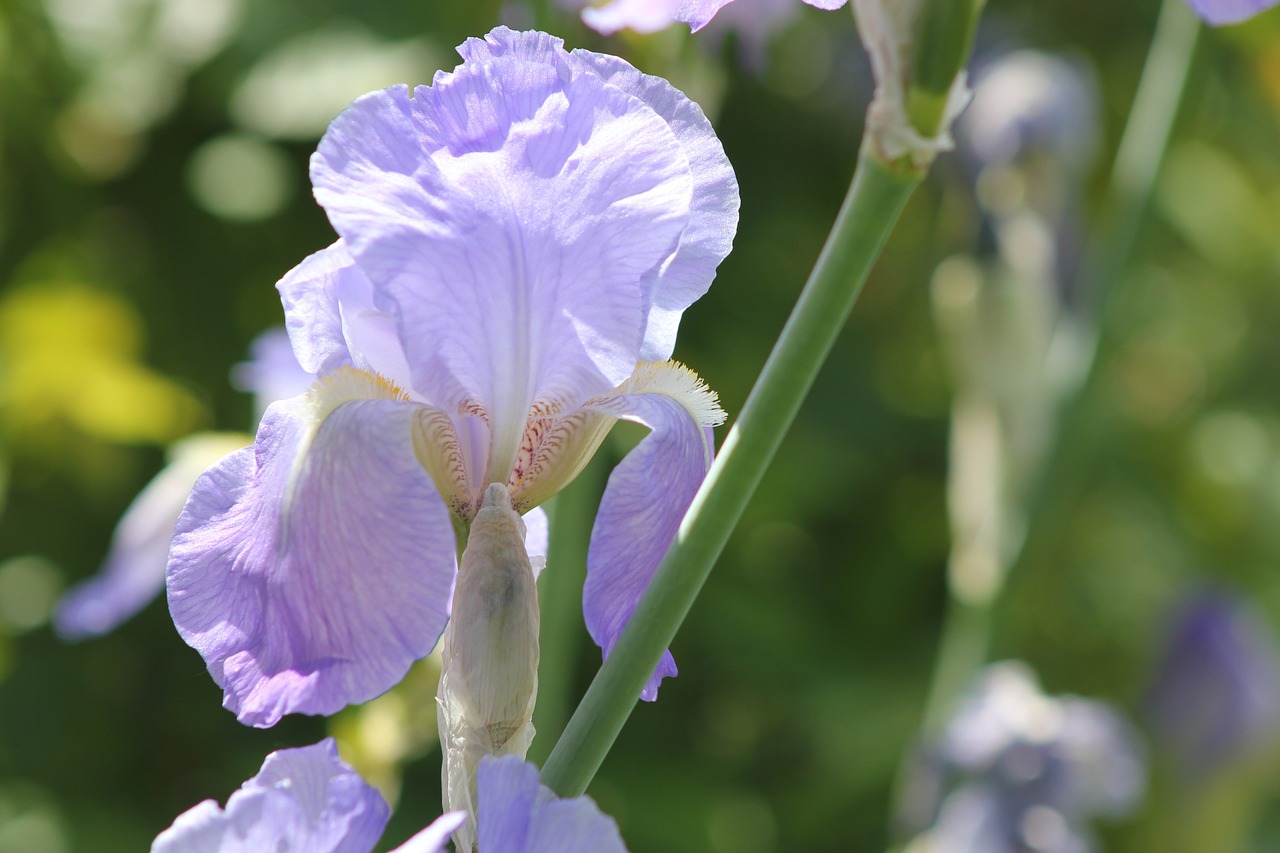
[
  {"x": 313, "y": 569},
  {"x": 133, "y": 573},
  {"x": 520, "y": 815},
  {"x": 508, "y": 217},
  {"x": 332, "y": 321},
  {"x": 713, "y": 213},
  {"x": 301, "y": 799},
  {"x": 647, "y": 495},
  {"x": 642, "y": 16}
]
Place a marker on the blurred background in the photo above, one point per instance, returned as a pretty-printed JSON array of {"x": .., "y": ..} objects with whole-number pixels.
[{"x": 153, "y": 187}]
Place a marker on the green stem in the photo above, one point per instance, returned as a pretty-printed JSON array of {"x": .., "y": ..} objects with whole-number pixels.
[
  {"x": 870, "y": 210},
  {"x": 560, "y": 598}
]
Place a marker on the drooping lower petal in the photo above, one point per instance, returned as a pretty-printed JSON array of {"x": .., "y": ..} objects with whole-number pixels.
[
  {"x": 508, "y": 216},
  {"x": 434, "y": 838},
  {"x": 311, "y": 570},
  {"x": 301, "y": 799},
  {"x": 520, "y": 815},
  {"x": 647, "y": 495},
  {"x": 133, "y": 573}
]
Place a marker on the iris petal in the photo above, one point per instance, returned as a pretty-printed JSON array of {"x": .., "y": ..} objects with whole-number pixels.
[
  {"x": 520, "y": 815},
  {"x": 1219, "y": 12},
  {"x": 647, "y": 496},
  {"x": 713, "y": 213},
  {"x": 509, "y": 216},
  {"x": 301, "y": 799},
  {"x": 313, "y": 569}
]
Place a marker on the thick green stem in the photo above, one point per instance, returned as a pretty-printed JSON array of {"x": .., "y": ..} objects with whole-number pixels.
[{"x": 870, "y": 209}]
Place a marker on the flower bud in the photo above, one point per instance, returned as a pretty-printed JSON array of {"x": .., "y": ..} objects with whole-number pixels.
[{"x": 489, "y": 652}]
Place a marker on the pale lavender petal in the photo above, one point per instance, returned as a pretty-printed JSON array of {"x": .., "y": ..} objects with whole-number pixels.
[
  {"x": 647, "y": 16},
  {"x": 644, "y": 501},
  {"x": 311, "y": 570},
  {"x": 309, "y": 292},
  {"x": 642, "y": 16},
  {"x": 332, "y": 321},
  {"x": 1219, "y": 12},
  {"x": 713, "y": 213},
  {"x": 133, "y": 574},
  {"x": 536, "y": 537},
  {"x": 508, "y": 217},
  {"x": 517, "y": 814},
  {"x": 272, "y": 371},
  {"x": 301, "y": 799},
  {"x": 434, "y": 838}
]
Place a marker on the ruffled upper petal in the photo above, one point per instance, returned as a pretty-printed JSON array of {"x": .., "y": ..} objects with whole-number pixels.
[
  {"x": 133, "y": 573},
  {"x": 311, "y": 570},
  {"x": 713, "y": 213},
  {"x": 647, "y": 496},
  {"x": 508, "y": 216},
  {"x": 301, "y": 799},
  {"x": 518, "y": 814}
]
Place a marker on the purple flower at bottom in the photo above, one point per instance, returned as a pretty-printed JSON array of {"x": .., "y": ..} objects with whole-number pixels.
[
  {"x": 1219, "y": 12},
  {"x": 307, "y": 799},
  {"x": 649, "y": 16},
  {"x": 517, "y": 244},
  {"x": 1215, "y": 696}
]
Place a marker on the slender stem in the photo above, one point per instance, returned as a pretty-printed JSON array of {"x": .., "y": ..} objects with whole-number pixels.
[
  {"x": 870, "y": 210},
  {"x": 965, "y": 640},
  {"x": 1111, "y": 245},
  {"x": 560, "y": 600}
]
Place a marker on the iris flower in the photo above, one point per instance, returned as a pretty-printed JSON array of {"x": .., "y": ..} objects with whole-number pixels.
[
  {"x": 308, "y": 799},
  {"x": 648, "y": 16},
  {"x": 517, "y": 243},
  {"x": 1218, "y": 12}
]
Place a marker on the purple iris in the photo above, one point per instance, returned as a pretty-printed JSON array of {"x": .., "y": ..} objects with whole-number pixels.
[
  {"x": 518, "y": 241},
  {"x": 1214, "y": 700},
  {"x": 648, "y": 16},
  {"x": 1220, "y": 12},
  {"x": 308, "y": 799}
]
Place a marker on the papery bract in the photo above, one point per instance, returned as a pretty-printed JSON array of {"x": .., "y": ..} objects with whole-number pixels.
[{"x": 517, "y": 243}]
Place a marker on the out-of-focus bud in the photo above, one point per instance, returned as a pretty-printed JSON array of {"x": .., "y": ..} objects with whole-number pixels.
[
  {"x": 1214, "y": 701},
  {"x": 489, "y": 677},
  {"x": 1017, "y": 770},
  {"x": 889, "y": 30}
]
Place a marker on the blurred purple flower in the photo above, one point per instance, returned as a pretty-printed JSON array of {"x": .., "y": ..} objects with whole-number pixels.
[
  {"x": 1016, "y": 770},
  {"x": 648, "y": 16},
  {"x": 1215, "y": 696},
  {"x": 133, "y": 573},
  {"x": 1218, "y": 12},
  {"x": 517, "y": 244},
  {"x": 308, "y": 799}
]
